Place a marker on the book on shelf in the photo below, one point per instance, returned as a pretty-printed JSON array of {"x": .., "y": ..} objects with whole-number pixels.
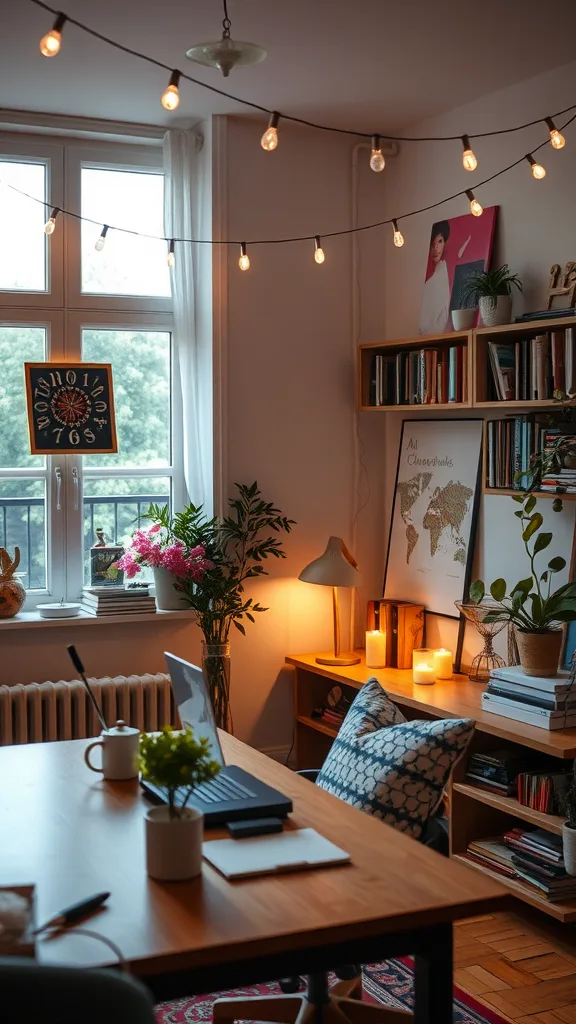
[
  {"x": 542, "y": 718},
  {"x": 533, "y": 857},
  {"x": 543, "y": 791},
  {"x": 544, "y": 314},
  {"x": 427, "y": 376},
  {"x": 551, "y": 684},
  {"x": 532, "y": 368},
  {"x": 117, "y": 601}
]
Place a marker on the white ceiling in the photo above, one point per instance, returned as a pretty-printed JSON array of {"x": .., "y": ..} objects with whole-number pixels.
[{"x": 365, "y": 64}]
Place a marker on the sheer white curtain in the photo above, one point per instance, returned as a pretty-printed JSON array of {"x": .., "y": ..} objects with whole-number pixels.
[{"x": 186, "y": 209}]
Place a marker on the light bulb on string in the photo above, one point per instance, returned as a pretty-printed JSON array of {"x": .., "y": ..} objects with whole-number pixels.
[
  {"x": 51, "y": 222},
  {"x": 319, "y": 254},
  {"x": 171, "y": 96},
  {"x": 171, "y": 257},
  {"x": 244, "y": 259},
  {"x": 398, "y": 236},
  {"x": 377, "y": 161},
  {"x": 557, "y": 140},
  {"x": 469, "y": 161},
  {"x": 50, "y": 43},
  {"x": 475, "y": 208},
  {"x": 538, "y": 171},
  {"x": 101, "y": 241},
  {"x": 269, "y": 140}
]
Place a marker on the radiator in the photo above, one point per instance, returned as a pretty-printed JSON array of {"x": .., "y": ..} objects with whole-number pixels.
[{"x": 37, "y": 712}]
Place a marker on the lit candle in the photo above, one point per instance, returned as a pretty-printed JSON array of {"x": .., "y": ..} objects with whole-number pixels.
[
  {"x": 443, "y": 664},
  {"x": 375, "y": 649},
  {"x": 424, "y": 673}
]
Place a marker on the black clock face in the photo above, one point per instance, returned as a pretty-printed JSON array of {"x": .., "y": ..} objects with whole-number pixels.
[{"x": 70, "y": 408}]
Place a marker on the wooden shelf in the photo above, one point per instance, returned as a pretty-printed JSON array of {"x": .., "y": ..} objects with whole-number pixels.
[
  {"x": 512, "y": 403},
  {"x": 508, "y": 804},
  {"x": 565, "y": 912},
  {"x": 506, "y": 491},
  {"x": 318, "y": 725},
  {"x": 429, "y": 407}
]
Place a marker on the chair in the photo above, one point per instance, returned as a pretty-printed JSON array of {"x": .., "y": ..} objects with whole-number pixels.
[{"x": 33, "y": 994}]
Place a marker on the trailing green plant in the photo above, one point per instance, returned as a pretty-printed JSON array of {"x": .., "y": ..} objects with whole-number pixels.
[
  {"x": 531, "y": 604},
  {"x": 176, "y": 760},
  {"x": 568, "y": 801},
  {"x": 490, "y": 284}
]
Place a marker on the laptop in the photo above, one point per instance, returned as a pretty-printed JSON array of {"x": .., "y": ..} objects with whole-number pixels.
[{"x": 234, "y": 794}]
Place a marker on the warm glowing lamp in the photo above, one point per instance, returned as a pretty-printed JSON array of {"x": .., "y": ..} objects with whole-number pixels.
[{"x": 335, "y": 568}]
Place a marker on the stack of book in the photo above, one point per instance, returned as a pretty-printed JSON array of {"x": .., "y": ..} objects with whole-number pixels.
[
  {"x": 493, "y": 854},
  {"x": 543, "y": 791},
  {"x": 117, "y": 601},
  {"x": 333, "y": 714},
  {"x": 533, "y": 368},
  {"x": 549, "y": 703},
  {"x": 509, "y": 445},
  {"x": 425, "y": 376},
  {"x": 566, "y": 476},
  {"x": 497, "y": 770},
  {"x": 537, "y": 860}
]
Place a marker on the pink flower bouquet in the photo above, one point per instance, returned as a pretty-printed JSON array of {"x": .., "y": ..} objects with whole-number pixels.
[{"x": 154, "y": 548}]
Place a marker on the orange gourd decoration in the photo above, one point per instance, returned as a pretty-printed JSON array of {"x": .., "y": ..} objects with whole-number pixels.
[{"x": 12, "y": 593}]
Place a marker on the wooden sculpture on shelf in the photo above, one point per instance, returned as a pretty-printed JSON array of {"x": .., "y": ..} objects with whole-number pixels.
[
  {"x": 562, "y": 284},
  {"x": 12, "y": 593}
]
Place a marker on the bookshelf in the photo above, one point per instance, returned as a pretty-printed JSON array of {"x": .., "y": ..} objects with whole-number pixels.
[
  {"x": 481, "y": 360},
  {"x": 441, "y": 343},
  {"x": 474, "y": 813}
]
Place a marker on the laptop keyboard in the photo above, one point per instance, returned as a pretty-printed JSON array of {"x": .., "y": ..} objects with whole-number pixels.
[{"x": 218, "y": 790}]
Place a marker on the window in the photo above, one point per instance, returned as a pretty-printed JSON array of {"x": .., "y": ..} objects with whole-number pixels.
[{"x": 109, "y": 306}]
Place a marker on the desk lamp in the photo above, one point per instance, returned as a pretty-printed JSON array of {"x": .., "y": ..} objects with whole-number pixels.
[{"x": 335, "y": 568}]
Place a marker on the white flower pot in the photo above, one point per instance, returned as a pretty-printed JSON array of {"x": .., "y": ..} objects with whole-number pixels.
[
  {"x": 463, "y": 319},
  {"x": 569, "y": 846},
  {"x": 495, "y": 313},
  {"x": 174, "y": 845},
  {"x": 168, "y": 599}
]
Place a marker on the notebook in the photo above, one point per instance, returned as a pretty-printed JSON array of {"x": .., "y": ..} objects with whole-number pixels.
[{"x": 296, "y": 850}]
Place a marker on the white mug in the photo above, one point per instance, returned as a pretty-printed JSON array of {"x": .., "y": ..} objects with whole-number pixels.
[{"x": 119, "y": 752}]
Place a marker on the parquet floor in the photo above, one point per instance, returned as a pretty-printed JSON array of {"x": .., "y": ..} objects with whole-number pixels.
[{"x": 519, "y": 964}]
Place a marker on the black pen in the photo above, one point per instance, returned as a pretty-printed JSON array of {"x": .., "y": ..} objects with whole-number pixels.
[{"x": 75, "y": 913}]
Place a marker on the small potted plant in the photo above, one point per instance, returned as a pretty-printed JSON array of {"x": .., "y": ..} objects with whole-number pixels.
[
  {"x": 175, "y": 760},
  {"x": 536, "y": 611},
  {"x": 568, "y": 805},
  {"x": 492, "y": 290},
  {"x": 170, "y": 561}
]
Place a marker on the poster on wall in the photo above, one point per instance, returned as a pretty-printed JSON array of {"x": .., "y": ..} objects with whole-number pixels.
[
  {"x": 459, "y": 249},
  {"x": 434, "y": 514}
]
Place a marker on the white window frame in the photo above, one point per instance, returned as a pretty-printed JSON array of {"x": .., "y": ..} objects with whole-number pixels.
[{"x": 64, "y": 310}]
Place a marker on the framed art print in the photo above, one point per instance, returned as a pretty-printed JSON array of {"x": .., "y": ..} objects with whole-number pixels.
[
  {"x": 434, "y": 513},
  {"x": 70, "y": 408}
]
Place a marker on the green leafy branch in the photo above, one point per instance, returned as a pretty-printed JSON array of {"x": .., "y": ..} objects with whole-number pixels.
[{"x": 176, "y": 760}]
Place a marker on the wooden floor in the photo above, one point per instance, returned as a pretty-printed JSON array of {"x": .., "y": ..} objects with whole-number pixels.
[{"x": 519, "y": 965}]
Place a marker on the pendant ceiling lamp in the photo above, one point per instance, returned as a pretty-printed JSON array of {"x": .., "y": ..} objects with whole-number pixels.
[{"x": 226, "y": 53}]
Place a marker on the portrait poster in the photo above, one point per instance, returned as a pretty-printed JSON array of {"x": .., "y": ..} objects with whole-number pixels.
[
  {"x": 459, "y": 248},
  {"x": 434, "y": 513}
]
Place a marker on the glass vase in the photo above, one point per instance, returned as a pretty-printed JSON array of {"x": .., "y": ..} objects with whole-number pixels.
[{"x": 216, "y": 669}]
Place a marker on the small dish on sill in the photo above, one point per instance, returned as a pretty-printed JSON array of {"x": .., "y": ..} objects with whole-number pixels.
[{"x": 59, "y": 610}]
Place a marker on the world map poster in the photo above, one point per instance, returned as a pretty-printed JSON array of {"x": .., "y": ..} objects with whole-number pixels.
[{"x": 435, "y": 501}]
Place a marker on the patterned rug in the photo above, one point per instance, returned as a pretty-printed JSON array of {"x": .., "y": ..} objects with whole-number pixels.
[{"x": 390, "y": 982}]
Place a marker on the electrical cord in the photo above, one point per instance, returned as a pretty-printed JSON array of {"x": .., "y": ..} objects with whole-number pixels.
[{"x": 54, "y": 932}]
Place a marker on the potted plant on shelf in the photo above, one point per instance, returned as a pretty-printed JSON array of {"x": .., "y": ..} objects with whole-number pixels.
[
  {"x": 222, "y": 555},
  {"x": 536, "y": 611},
  {"x": 492, "y": 290},
  {"x": 568, "y": 806},
  {"x": 175, "y": 760},
  {"x": 169, "y": 560}
]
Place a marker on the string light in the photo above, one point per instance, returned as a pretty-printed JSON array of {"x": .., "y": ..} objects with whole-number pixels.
[
  {"x": 171, "y": 257},
  {"x": 469, "y": 160},
  {"x": 269, "y": 140},
  {"x": 475, "y": 208},
  {"x": 319, "y": 254},
  {"x": 171, "y": 97},
  {"x": 244, "y": 259},
  {"x": 50, "y": 43},
  {"x": 537, "y": 170},
  {"x": 51, "y": 222},
  {"x": 377, "y": 161},
  {"x": 556, "y": 138},
  {"x": 398, "y": 236},
  {"x": 102, "y": 240}
]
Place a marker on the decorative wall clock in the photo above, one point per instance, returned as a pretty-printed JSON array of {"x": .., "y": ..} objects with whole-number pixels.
[{"x": 70, "y": 408}]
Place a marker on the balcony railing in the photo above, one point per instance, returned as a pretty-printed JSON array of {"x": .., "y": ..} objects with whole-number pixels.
[{"x": 117, "y": 515}]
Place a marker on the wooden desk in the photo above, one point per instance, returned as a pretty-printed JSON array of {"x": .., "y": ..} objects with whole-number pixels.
[
  {"x": 73, "y": 835},
  {"x": 475, "y": 813}
]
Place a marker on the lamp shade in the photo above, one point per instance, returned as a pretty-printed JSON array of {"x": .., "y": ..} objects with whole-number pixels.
[{"x": 335, "y": 568}]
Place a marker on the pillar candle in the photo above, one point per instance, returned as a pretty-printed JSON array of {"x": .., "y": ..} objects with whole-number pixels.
[
  {"x": 423, "y": 672},
  {"x": 375, "y": 649},
  {"x": 443, "y": 664}
]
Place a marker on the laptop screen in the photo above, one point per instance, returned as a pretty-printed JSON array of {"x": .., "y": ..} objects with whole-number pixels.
[{"x": 193, "y": 702}]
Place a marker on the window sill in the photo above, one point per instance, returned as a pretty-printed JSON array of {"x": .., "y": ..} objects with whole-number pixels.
[{"x": 33, "y": 620}]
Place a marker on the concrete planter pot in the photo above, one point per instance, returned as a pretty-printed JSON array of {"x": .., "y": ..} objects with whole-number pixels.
[
  {"x": 495, "y": 313},
  {"x": 173, "y": 845},
  {"x": 569, "y": 848},
  {"x": 168, "y": 599}
]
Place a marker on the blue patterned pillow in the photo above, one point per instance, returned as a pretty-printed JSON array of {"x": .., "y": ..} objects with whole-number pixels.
[{"x": 391, "y": 768}]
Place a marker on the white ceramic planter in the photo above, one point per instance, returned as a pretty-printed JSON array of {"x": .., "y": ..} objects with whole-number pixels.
[
  {"x": 569, "y": 846},
  {"x": 168, "y": 599},
  {"x": 463, "y": 319},
  {"x": 495, "y": 313},
  {"x": 173, "y": 845}
]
